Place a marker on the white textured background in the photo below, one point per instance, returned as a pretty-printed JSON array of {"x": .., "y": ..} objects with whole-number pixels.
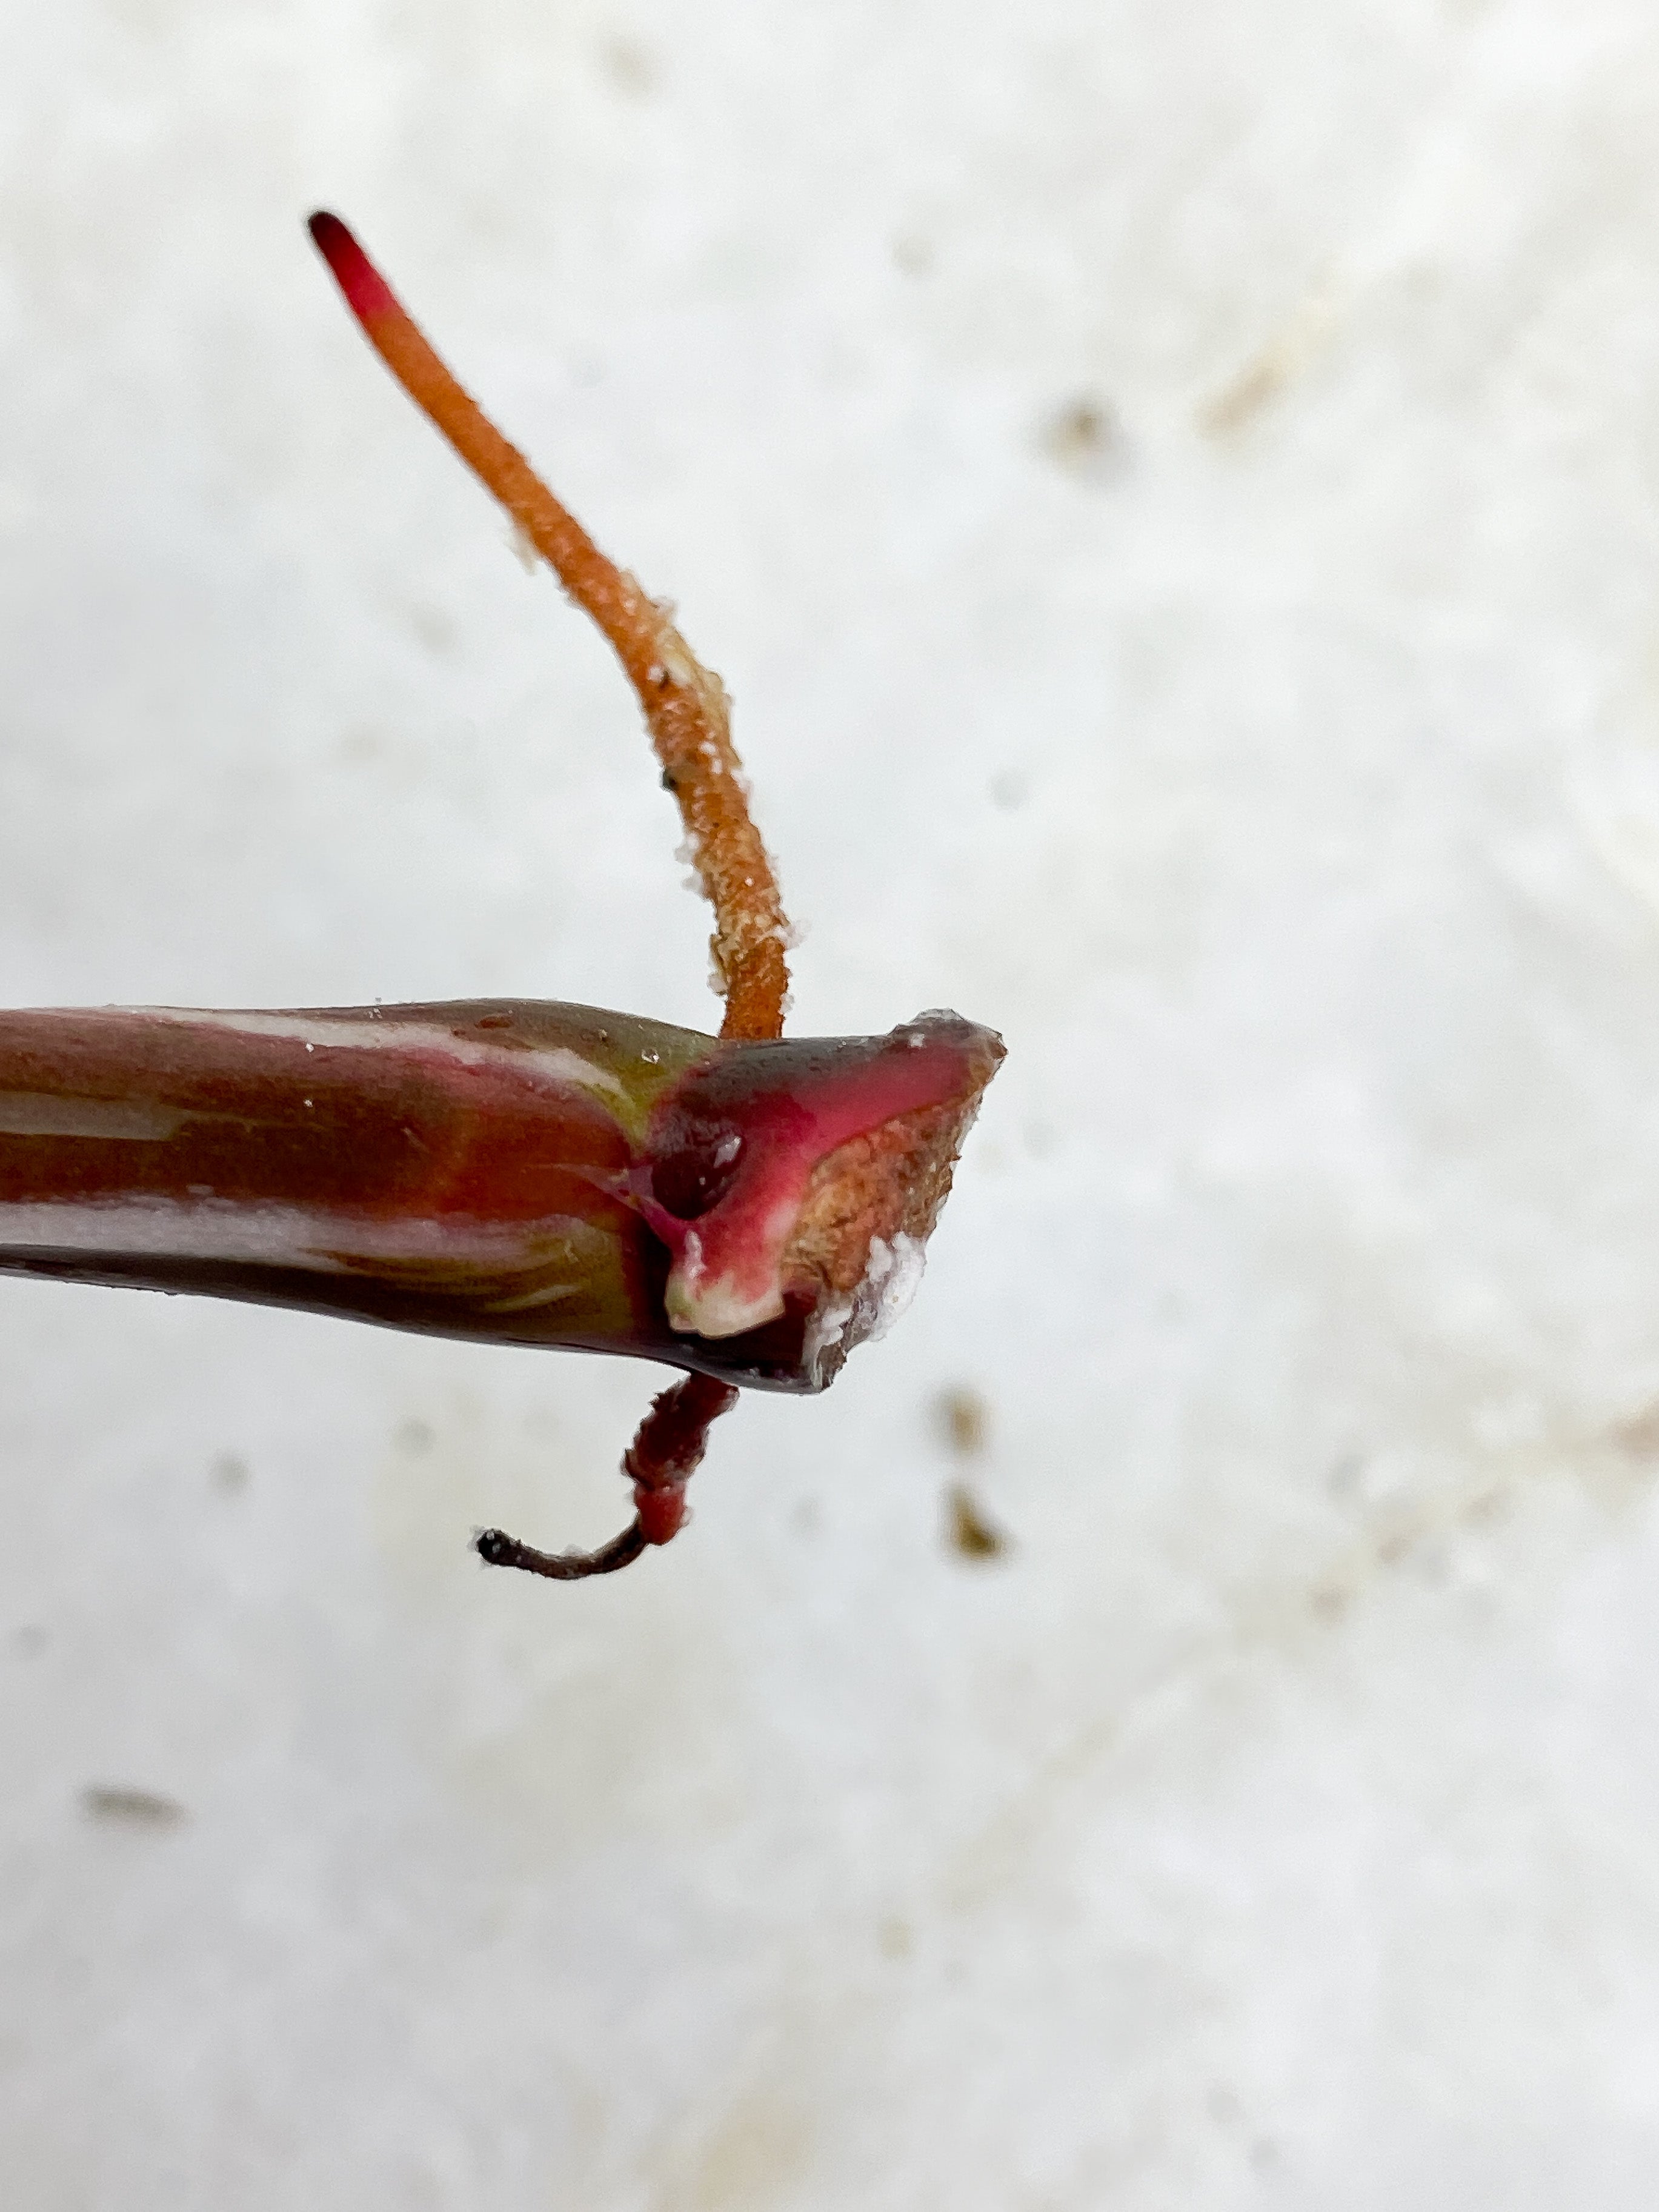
[{"x": 1278, "y": 1824}]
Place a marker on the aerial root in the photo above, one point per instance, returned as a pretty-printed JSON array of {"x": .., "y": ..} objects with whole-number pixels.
[
  {"x": 685, "y": 704},
  {"x": 662, "y": 1458}
]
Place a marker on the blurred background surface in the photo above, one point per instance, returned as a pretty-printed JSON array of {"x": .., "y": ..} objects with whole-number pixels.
[{"x": 1174, "y": 493}]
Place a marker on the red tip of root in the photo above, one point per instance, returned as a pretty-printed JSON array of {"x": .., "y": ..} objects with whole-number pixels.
[{"x": 367, "y": 292}]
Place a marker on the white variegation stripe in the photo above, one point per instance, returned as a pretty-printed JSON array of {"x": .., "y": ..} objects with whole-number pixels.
[
  {"x": 556, "y": 1061},
  {"x": 321, "y": 1238},
  {"x": 49, "y": 1113}
]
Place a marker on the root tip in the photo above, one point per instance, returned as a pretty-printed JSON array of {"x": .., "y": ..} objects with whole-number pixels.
[
  {"x": 497, "y": 1549},
  {"x": 367, "y": 292}
]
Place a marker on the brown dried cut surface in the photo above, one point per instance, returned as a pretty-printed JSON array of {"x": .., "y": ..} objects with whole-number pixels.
[{"x": 890, "y": 1181}]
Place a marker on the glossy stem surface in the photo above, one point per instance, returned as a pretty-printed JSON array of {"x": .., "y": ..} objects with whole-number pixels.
[{"x": 513, "y": 1171}]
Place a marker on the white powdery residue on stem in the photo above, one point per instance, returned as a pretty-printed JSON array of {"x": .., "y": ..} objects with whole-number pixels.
[
  {"x": 894, "y": 1273},
  {"x": 688, "y": 853},
  {"x": 824, "y": 1332}
]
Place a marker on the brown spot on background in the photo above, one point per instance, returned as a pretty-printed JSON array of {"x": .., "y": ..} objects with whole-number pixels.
[
  {"x": 119, "y": 1804},
  {"x": 1084, "y": 437},
  {"x": 965, "y": 1419},
  {"x": 972, "y": 1536}
]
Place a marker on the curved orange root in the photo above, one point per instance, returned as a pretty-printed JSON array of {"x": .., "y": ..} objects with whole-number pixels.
[{"x": 685, "y": 704}]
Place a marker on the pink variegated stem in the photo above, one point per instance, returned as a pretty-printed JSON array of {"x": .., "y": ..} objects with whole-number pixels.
[{"x": 511, "y": 1171}]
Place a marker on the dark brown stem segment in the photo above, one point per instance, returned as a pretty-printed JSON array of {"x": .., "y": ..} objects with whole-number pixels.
[
  {"x": 690, "y": 718},
  {"x": 685, "y": 704}
]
